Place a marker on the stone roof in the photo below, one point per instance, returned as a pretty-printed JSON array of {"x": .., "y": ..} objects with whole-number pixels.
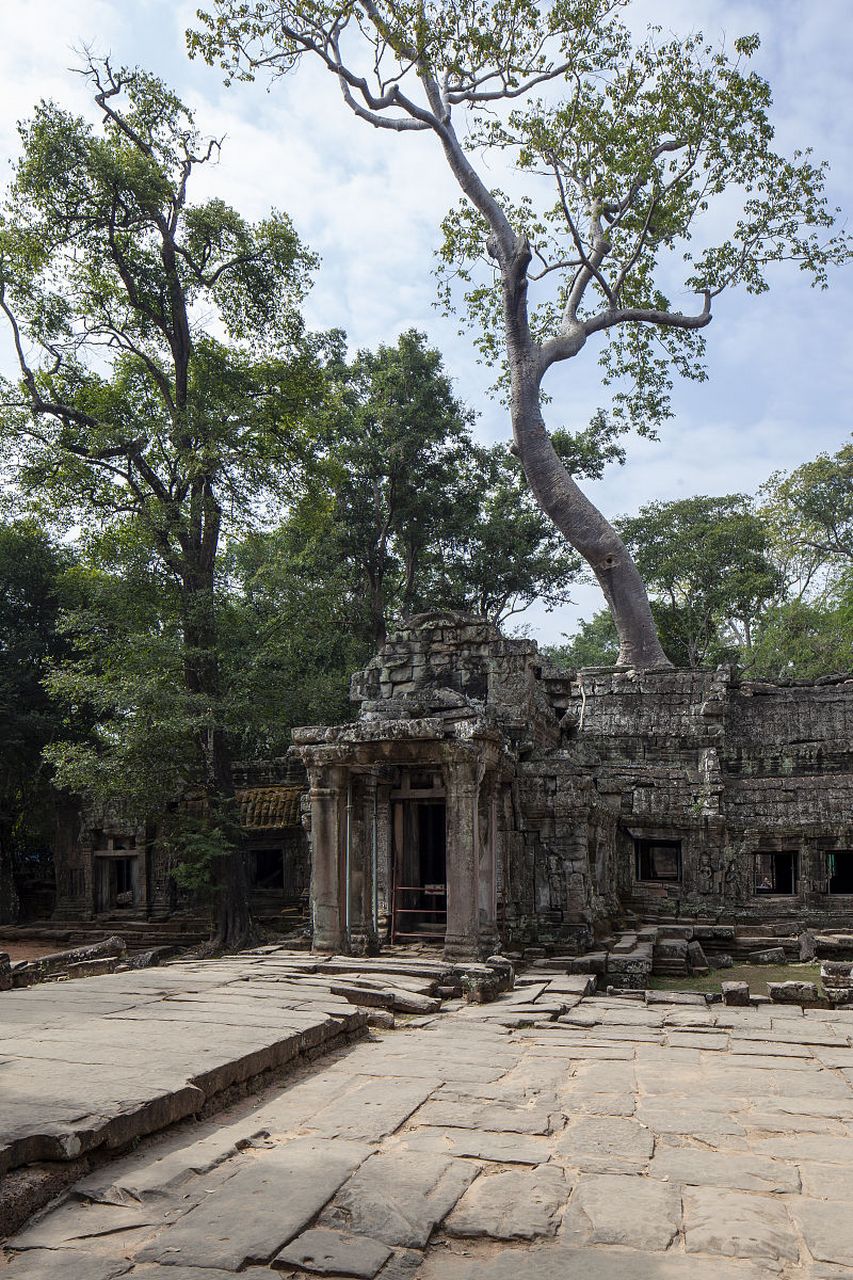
[{"x": 268, "y": 808}]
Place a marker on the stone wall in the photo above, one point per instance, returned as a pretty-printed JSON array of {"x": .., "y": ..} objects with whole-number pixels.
[{"x": 599, "y": 761}]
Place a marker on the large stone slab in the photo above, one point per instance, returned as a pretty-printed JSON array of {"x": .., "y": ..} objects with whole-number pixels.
[
  {"x": 623, "y": 1210},
  {"x": 738, "y": 1226},
  {"x": 326, "y": 1252},
  {"x": 269, "y": 1200},
  {"x": 605, "y": 1144},
  {"x": 373, "y": 1108},
  {"x": 694, "y": 1167},
  {"x": 69, "y": 1264},
  {"x": 512, "y": 1205},
  {"x": 551, "y": 1262},
  {"x": 497, "y": 1116},
  {"x": 400, "y": 1200},
  {"x": 142, "y": 1050},
  {"x": 827, "y": 1227}
]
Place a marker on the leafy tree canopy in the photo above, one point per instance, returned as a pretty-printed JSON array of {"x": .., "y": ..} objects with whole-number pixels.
[
  {"x": 643, "y": 170},
  {"x": 165, "y": 382}
]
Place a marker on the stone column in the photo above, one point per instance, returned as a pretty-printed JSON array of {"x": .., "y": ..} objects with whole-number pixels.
[
  {"x": 328, "y": 834},
  {"x": 363, "y": 938},
  {"x": 465, "y": 939}
]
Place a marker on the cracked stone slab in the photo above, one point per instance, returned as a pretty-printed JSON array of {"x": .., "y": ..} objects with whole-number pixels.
[
  {"x": 623, "y": 1210},
  {"x": 512, "y": 1206},
  {"x": 400, "y": 1200},
  {"x": 827, "y": 1181},
  {"x": 270, "y": 1199},
  {"x": 169, "y": 1165},
  {"x": 69, "y": 1264},
  {"x": 677, "y": 1117},
  {"x": 725, "y": 1222},
  {"x": 498, "y": 1116},
  {"x": 373, "y": 1109},
  {"x": 327, "y": 1252},
  {"x": 605, "y": 1144},
  {"x": 694, "y": 1167},
  {"x": 479, "y": 1144},
  {"x": 72, "y": 1222}
]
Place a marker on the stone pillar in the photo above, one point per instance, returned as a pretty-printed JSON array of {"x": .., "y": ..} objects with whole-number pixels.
[
  {"x": 469, "y": 934},
  {"x": 362, "y": 937},
  {"x": 328, "y": 835}
]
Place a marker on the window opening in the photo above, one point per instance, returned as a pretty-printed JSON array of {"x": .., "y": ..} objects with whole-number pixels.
[
  {"x": 839, "y": 871},
  {"x": 776, "y": 873},
  {"x": 658, "y": 859}
]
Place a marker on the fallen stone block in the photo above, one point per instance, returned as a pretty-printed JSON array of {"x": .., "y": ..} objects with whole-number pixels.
[
  {"x": 792, "y": 992},
  {"x": 671, "y": 949},
  {"x": 92, "y": 968},
  {"x": 770, "y": 955},
  {"x": 382, "y": 1018},
  {"x": 736, "y": 993},
  {"x": 385, "y": 998},
  {"x": 697, "y": 961}
]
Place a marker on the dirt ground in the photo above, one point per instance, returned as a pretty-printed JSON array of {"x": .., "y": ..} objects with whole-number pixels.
[{"x": 28, "y": 950}]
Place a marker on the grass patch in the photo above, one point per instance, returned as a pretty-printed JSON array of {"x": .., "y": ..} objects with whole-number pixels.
[{"x": 757, "y": 975}]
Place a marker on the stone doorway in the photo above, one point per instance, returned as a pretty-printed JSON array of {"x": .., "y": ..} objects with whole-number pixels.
[
  {"x": 116, "y": 883},
  {"x": 419, "y": 904}
]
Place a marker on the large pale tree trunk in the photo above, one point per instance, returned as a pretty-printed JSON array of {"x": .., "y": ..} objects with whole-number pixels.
[{"x": 578, "y": 519}]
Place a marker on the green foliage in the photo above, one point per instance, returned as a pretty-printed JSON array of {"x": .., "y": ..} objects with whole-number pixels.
[
  {"x": 594, "y": 644},
  {"x": 810, "y": 515},
  {"x": 34, "y": 587},
  {"x": 402, "y": 512},
  {"x": 799, "y": 640},
  {"x": 641, "y": 142},
  {"x": 165, "y": 383},
  {"x": 706, "y": 562}
]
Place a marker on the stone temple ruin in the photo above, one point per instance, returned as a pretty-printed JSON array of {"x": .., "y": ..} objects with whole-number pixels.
[{"x": 483, "y": 798}]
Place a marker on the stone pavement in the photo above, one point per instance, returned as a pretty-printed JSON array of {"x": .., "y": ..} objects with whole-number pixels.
[
  {"x": 101, "y": 1061},
  {"x": 621, "y": 1141}
]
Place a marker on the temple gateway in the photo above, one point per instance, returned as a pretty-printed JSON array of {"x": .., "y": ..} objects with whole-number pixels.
[{"x": 484, "y": 798}]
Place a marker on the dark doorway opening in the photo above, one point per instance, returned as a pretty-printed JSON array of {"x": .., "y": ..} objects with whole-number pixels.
[
  {"x": 658, "y": 859},
  {"x": 116, "y": 883},
  {"x": 777, "y": 873},
  {"x": 266, "y": 870},
  {"x": 420, "y": 870},
  {"x": 839, "y": 871}
]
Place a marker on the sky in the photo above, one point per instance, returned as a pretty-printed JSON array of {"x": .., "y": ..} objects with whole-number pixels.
[{"x": 780, "y": 366}]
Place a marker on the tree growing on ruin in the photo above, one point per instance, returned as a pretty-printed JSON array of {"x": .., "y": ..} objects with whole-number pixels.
[
  {"x": 164, "y": 371},
  {"x": 627, "y": 155}
]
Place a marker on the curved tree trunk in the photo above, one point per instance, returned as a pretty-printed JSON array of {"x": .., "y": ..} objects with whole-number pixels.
[
  {"x": 578, "y": 519},
  {"x": 590, "y": 533}
]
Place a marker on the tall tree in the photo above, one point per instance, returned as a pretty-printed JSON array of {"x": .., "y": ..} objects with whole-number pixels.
[
  {"x": 405, "y": 512},
  {"x": 626, "y": 144},
  {"x": 32, "y": 593},
  {"x": 707, "y": 564},
  {"x": 810, "y": 516},
  {"x": 130, "y": 410}
]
